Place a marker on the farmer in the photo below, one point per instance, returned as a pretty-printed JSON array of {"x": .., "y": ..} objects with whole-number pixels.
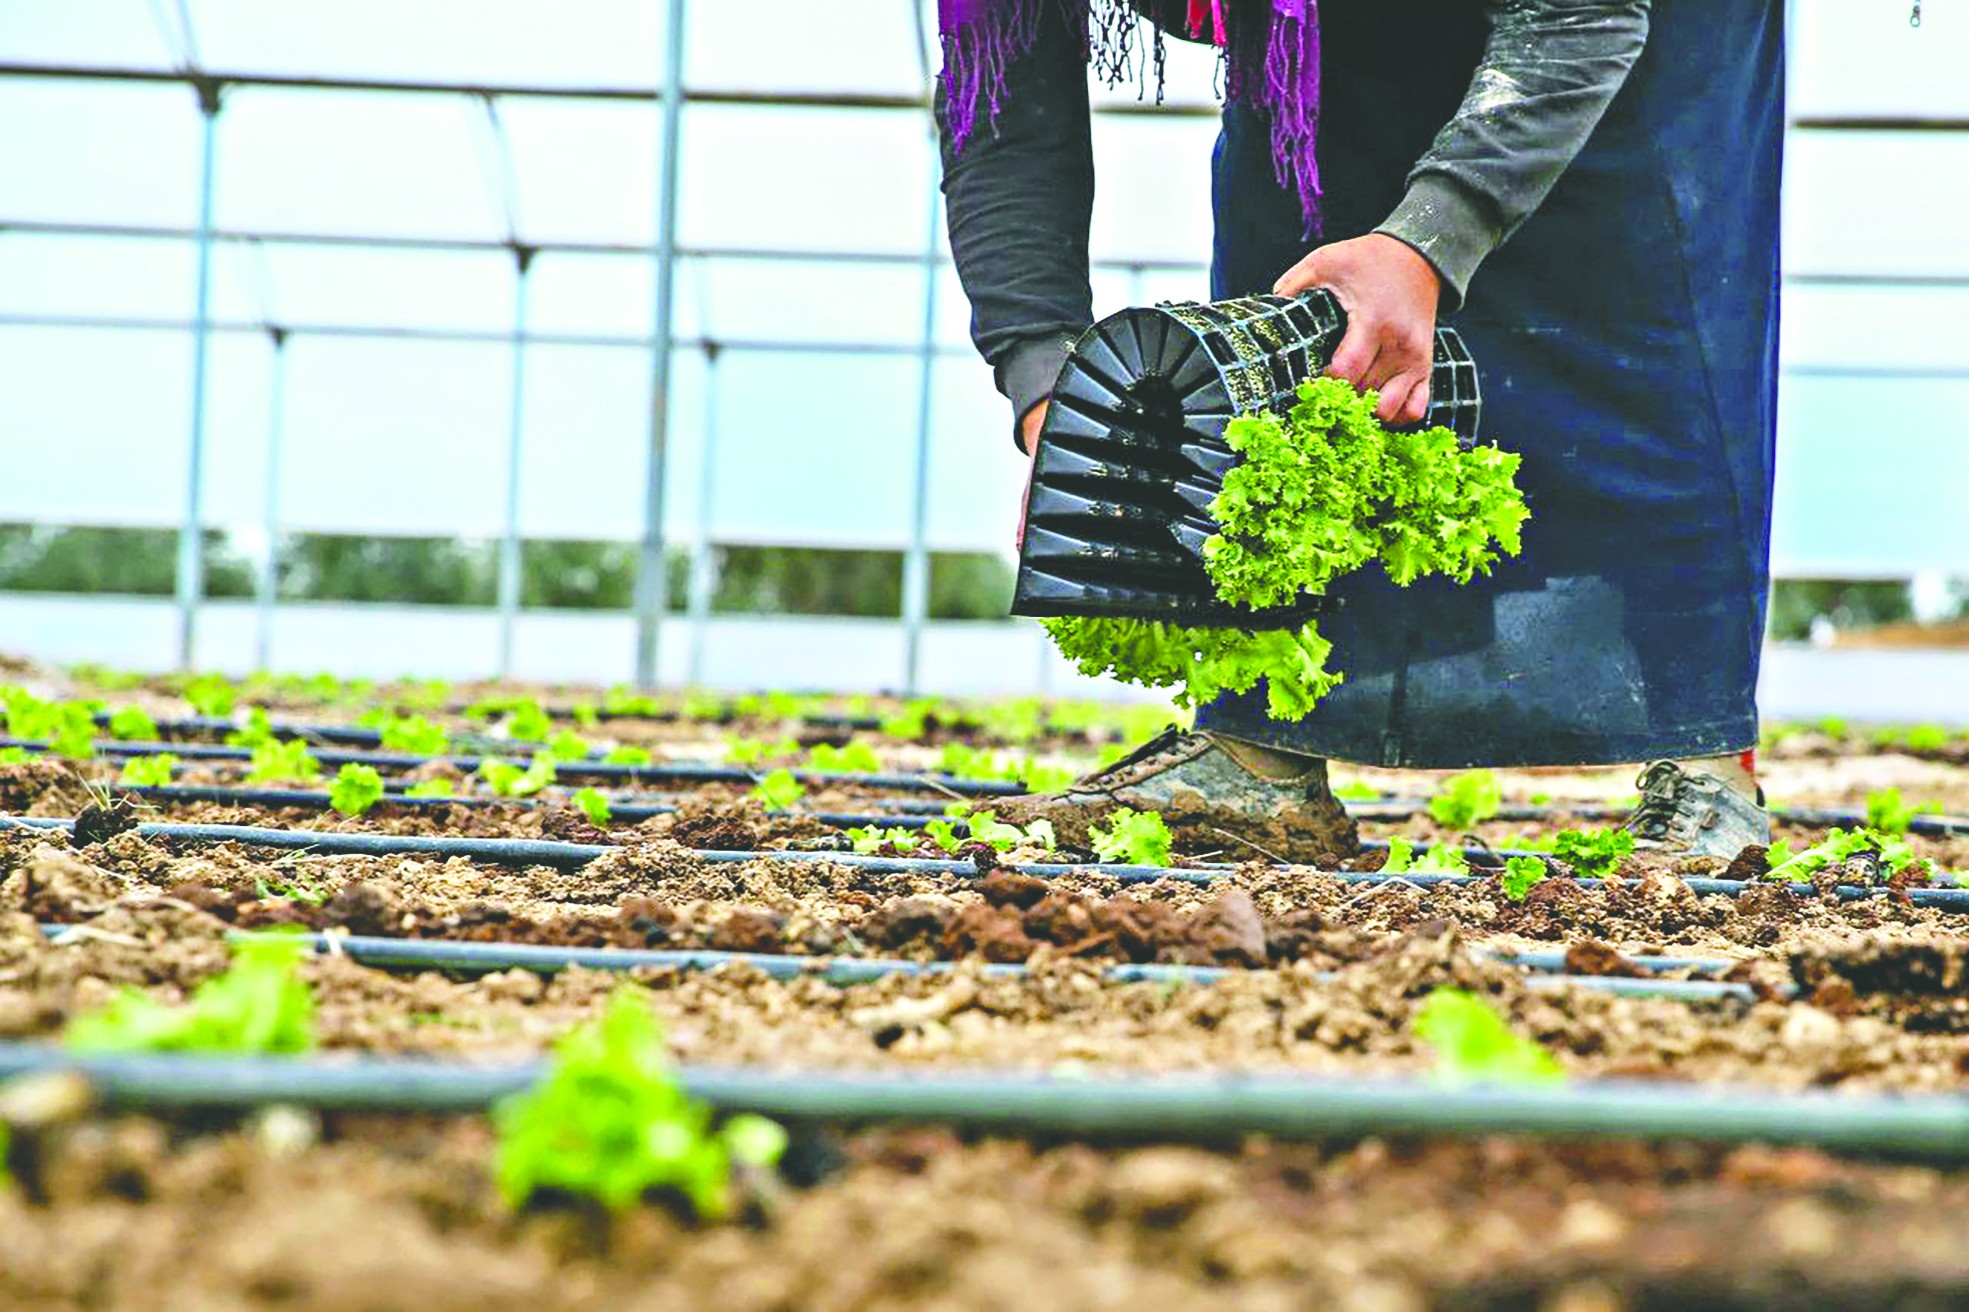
[{"x": 1589, "y": 188}]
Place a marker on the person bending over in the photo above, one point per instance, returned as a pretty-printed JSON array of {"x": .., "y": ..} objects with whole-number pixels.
[{"x": 1589, "y": 189}]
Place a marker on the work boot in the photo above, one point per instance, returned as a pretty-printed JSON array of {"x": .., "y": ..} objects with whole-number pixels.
[
  {"x": 1216, "y": 794},
  {"x": 1695, "y": 813}
]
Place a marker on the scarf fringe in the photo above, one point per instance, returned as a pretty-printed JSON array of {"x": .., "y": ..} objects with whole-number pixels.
[{"x": 1280, "y": 73}]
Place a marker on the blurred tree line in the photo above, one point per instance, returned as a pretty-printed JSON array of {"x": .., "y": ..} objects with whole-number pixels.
[{"x": 464, "y": 572}]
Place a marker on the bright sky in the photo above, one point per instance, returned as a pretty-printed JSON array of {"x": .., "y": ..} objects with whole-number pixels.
[{"x": 396, "y": 436}]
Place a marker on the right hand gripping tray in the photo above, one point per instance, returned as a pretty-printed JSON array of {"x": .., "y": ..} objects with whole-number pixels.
[{"x": 1133, "y": 452}]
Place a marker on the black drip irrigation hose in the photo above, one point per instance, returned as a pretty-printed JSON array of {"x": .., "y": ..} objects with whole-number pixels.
[
  {"x": 1546, "y": 970},
  {"x": 1207, "y": 1109},
  {"x": 622, "y": 813},
  {"x": 682, "y": 771},
  {"x": 1404, "y": 808},
  {"x": 572, "y": 856}
]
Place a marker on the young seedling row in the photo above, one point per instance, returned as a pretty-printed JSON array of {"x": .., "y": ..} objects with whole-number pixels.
[{"x": 836, "y": 966}]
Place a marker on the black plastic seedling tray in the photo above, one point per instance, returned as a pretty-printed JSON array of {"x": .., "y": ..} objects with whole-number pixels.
[{"x": 1133, "y": 451}]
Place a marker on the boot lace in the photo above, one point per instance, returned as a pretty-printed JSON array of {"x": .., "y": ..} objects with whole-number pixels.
[{"x": 1655, "y": 815}]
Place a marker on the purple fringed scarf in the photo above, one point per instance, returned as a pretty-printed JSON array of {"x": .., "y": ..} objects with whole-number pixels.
[{"x": 1275, "y": 66}]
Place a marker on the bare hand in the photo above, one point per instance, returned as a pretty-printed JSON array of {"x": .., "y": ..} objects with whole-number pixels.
[
  {"x": 1035, "y": 419},
  {"x": 1389, "y": 293}
]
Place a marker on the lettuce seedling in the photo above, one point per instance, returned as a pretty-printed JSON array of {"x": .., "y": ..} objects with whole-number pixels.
[
  {"x": 634, "y": 757},
  {"x": 1474, "y": 1045},
  {"x": 587, "y": 716},
  {"x": 528, "y": 723},
  {"x": 509, "y": 780},
  {"x": 986, "y": 827},
  {"x": 912, "y": 721},
  {"x": 414, "y": 735},
  {"x": 153, "y": 771},
  {"x": 594, "y": 804},
  {"x": 870, "y": 839},
  {"x": 129, "y": 723},
  {"x": 1136, "y": 837},
  {"x": 1442, "y": 859},
  {"x": 1593, "y": 853},
  {"x": 1520, "y": 874},
  {"x": 567, "y": 745},
  {"x": 356, "y": 789},
  {"x": 778, "y": 790},
  {"x": 1840, "y": 845},
  {"x": 69, "y": 728},
  {"x": 1356, "y": 791},
  {"x": 210, "y": 695},
  {"x": 855, "y": 758},
  {"x": 288, "y": 762},
  {"x": 1886, "y": 813},
  {"x": 255, "y": 731},
  {"x": 962, "y": 761},
  {"x": 944, "y": 834},
  {"x": 261, "y": 1004},
  {"x": 1038, "y": 777},
  {"x": 1927, "y": 738},
  {"x": 1467, "y": 799},
  {"x": 431, "y": 788},
  {"x": 626, "y": 702},
  {"x": 610, "y": 1121}
]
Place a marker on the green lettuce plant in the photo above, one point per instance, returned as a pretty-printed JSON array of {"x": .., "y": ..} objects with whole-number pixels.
[
  {"x": 283, "y": 762},
  {"x": 1521, "y": 874},
  {"x": 356, "y": 789},
  {"x": 414, "y": 735},
  {"x": 261, "y": 1004},
  {"x": 1138, "y": 838},
  {"x": 1467, "y": 799},
  {"x": 127, "y": 723},
  {"x": 153, "y": 771},
  {"x": 1320, "y": 493},
  {"x": 778, "y": 790},
  {"x": 611, "y": 1122},
  {"x": 1473, "y": 1044},
  {"x": 1442, "y": 859},
  {"x": 594, "y": 804}
]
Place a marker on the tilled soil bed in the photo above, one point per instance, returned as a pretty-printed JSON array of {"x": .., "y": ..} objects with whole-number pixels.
[{"x": 1322, "y": 977}]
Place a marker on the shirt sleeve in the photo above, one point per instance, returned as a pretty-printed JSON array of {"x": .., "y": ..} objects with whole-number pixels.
[
  {"x": 1549, "y": 71},
  {"x": 1019, "y": 199}
]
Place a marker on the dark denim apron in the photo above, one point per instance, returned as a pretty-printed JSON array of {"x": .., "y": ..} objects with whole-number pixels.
[{"x": 1627, "y": 341}]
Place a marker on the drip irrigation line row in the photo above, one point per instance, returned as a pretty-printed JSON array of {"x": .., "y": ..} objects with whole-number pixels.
[
  {"x": 619, "y": 812},
  {"x": 1209, "y": 1108},
  {"x": 573, "y": 856},
  {"x": 688, "y": 771},
  {"x": 1404, "y": 808},
  {"x": 1379, "y": 809},
  {"x": 1546, "y": 970}
]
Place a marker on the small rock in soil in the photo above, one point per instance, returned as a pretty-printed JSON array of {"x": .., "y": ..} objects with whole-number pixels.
[
  {"x": 749, "y": 929},
  {"x": 1591, "y": 957},
  {"x": 902, "y": 921},
  {"x": 994, "y": 933},
  {"x": 1228, "y": 931}
]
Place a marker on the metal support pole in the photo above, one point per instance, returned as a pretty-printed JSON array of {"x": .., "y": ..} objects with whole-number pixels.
[
  {"x": 916, "y": 557},
  {"x": 191, "y": 536},
  {"x": 511, "y": 564},
  {"x": 267, "y": 588},
  {"x": 704, "y": 565},
  {"x": 652, "y": 585}
]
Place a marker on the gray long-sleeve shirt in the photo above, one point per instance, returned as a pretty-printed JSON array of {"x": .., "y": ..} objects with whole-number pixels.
[{"x": 1020, "y": 196}]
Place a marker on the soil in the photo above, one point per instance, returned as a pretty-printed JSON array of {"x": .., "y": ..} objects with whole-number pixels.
[{"x": 284, "y": 1209}]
